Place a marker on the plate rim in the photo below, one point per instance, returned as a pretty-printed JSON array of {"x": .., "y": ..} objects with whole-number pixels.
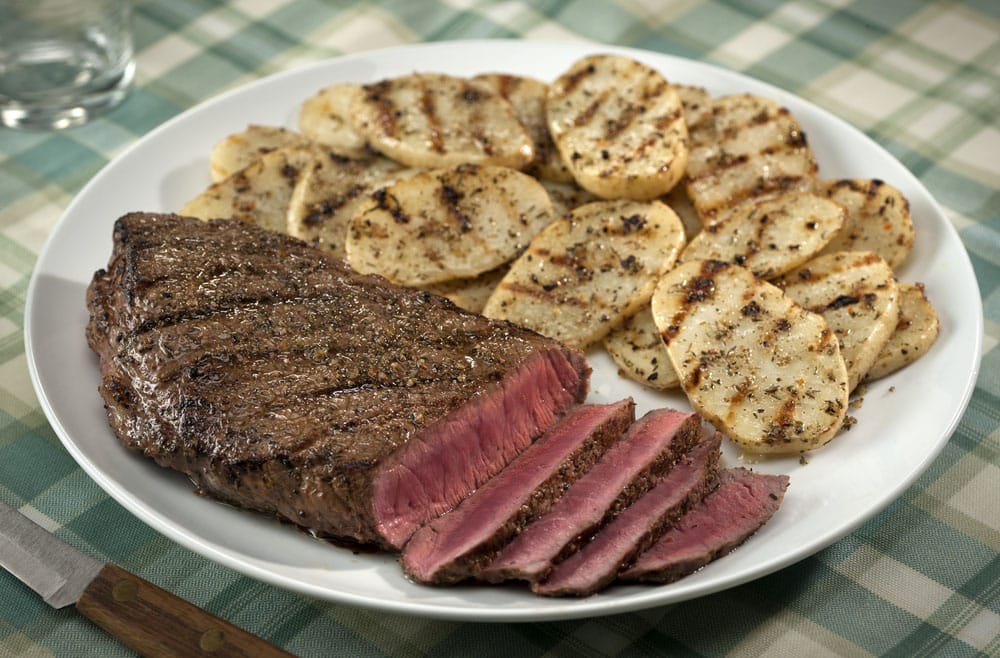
[{"x": 593, "y": 606}]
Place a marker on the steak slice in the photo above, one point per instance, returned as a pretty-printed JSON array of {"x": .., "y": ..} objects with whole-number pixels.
[
  {"x": 743, "y": 502},
  {"x": 598, "y": 562},
  {"x": 627, "y": 471},
  {"x": 280, "y": 380},
  {"x": 459, "y": 544}
]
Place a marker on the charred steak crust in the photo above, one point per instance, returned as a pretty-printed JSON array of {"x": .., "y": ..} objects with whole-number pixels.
[{"x": 280, "y": 380}]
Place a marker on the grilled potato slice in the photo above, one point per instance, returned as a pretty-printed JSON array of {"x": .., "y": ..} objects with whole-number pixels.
[
  {"x": 678, "y": 200},
  {"x": 856, "y": 294},
  {"x": 915, "y": 332},
  {"x": 878, "y": 219},
  {"x": 696, "y": 104},
  {"x": 638, "y": 349},
  {"x": 240, "y": 150},
  {"x": 435, "y": 120},
  {"x": 770, "y": 237},
  {"x": 566, "y": 196},
  {"x": 329, "y": 193},
  {"x": 765, "y": 371},
  {"x": 589, "y": 270},
  {"x": 325, "y": 117},
  {"x": 447, "y": 224},
  {"x": 619, "y": 127},
  {"x": 754, "y": 148},
  {"x": 470, "y": 294},
  {"x": 527, "y": 96},
  {"x": 259, "y": 193},
  {"x": 703, "y": 140}
]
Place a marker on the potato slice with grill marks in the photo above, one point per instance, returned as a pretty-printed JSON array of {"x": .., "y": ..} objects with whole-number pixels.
[
  {"x": 589, "y": 270},
  {"x": 258, "y": 194},
  {"x": 916, "y": 330},
  {"x": 638, "y": 349},
  {"x": 240, "y": 150},
  {"x": 856, "y": 294},
  {"x": 325, "y": 117},
  {"x": 470, "y": 294},
  {"x": 764, "y": 370},
  {"x": 696, "y": 104},
  {"x": 434, "y": 120},
  {"x": 447, "y": 224},
  {"x": 527, "y": 96},
  {"x": 770, "y": 237},
  {"x": 761, "y": 177},
  {"x": 878, "y": 219},
  {"x": 703, "y": 140},
  {"x": 678, "y": 200},
  {"x": 330, "y": 192},
  {"x": 566, "y": 196},
  {"x": 752, "y": 148},
  {"x": 619, "y": 127}
]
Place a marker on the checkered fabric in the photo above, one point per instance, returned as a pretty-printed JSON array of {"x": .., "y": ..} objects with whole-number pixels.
[{"x": 921, "y": 77}]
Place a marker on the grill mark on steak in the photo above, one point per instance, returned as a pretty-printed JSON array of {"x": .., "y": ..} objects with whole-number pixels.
[
  {"x": 297, "y": 342},
  {"x": 191, "y": 377}
]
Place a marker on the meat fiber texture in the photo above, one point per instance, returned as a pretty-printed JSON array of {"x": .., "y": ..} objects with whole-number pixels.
[
  {"x": 280, "y": 380},
  {"x": 743, "y": 502},
  {"x": 597, "y": 563},
  {"x": 457, "y": 545},
  {"x": 627, "y": 471}
]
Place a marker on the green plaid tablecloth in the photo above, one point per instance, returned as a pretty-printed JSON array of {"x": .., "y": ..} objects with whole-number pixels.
[{"x": 921, "y": 78}]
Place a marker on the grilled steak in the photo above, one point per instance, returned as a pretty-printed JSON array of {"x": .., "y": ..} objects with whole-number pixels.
[
  {"x": 627, "y": 471},
  {"x": 598, "y": 562},
  {"x": 459, "y": 544},
  {"x": 743, "y": 502},
  {"x": 280, "y": 380}
]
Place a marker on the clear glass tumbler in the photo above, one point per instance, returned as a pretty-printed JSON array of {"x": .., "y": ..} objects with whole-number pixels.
[{"x": 63, "y": 61}]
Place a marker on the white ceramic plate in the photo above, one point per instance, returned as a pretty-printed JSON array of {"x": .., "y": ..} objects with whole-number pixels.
[{"x": 905, "y": 421}]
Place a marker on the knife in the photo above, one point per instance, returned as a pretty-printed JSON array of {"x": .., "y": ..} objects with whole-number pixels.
[{"x": 146, "y": 618}]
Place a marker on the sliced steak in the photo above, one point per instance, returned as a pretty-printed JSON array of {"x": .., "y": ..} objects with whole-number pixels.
[
  {"x": 280, "y": 380},
  {"x": 598, "y": 562},
  {"x": 743, "y": 502},
  {"x": 459, "y": 544},
  {"x": 628, "y": 470}
]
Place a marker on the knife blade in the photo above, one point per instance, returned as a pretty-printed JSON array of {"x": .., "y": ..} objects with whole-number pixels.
[{"x": 143, "y": 616}]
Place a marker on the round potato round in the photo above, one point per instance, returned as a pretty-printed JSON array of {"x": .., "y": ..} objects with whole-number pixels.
[
  {"x": 527, "y": 96},
  {"x": 447, "y": 224},
  {"x": 258, "y": 194},
  {"x": 856, "y": 294},
  {"x": 770, "y": 237},
  {"x": 240, "y": 150},
  {"x": 916, "y": 330},
  {"x": 589, "y": 270},
  {"x": 750, "y": 148},
  {"x": 331, "y": 190},
  {"x": 436, "y": 120},
  {"x": 325, "y": 117},
  {"x": 619, "y": 127},
  {"x": 878, "y": 219},
  {"x": 764, "y": 370},
  {"x": 639, "y": 352}
]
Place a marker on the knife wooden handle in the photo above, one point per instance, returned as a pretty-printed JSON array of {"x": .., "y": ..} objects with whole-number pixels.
[{"x": 154, "y": 622}]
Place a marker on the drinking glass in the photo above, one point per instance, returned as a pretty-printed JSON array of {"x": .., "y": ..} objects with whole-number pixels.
[{"x": 63, "y": 61}]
